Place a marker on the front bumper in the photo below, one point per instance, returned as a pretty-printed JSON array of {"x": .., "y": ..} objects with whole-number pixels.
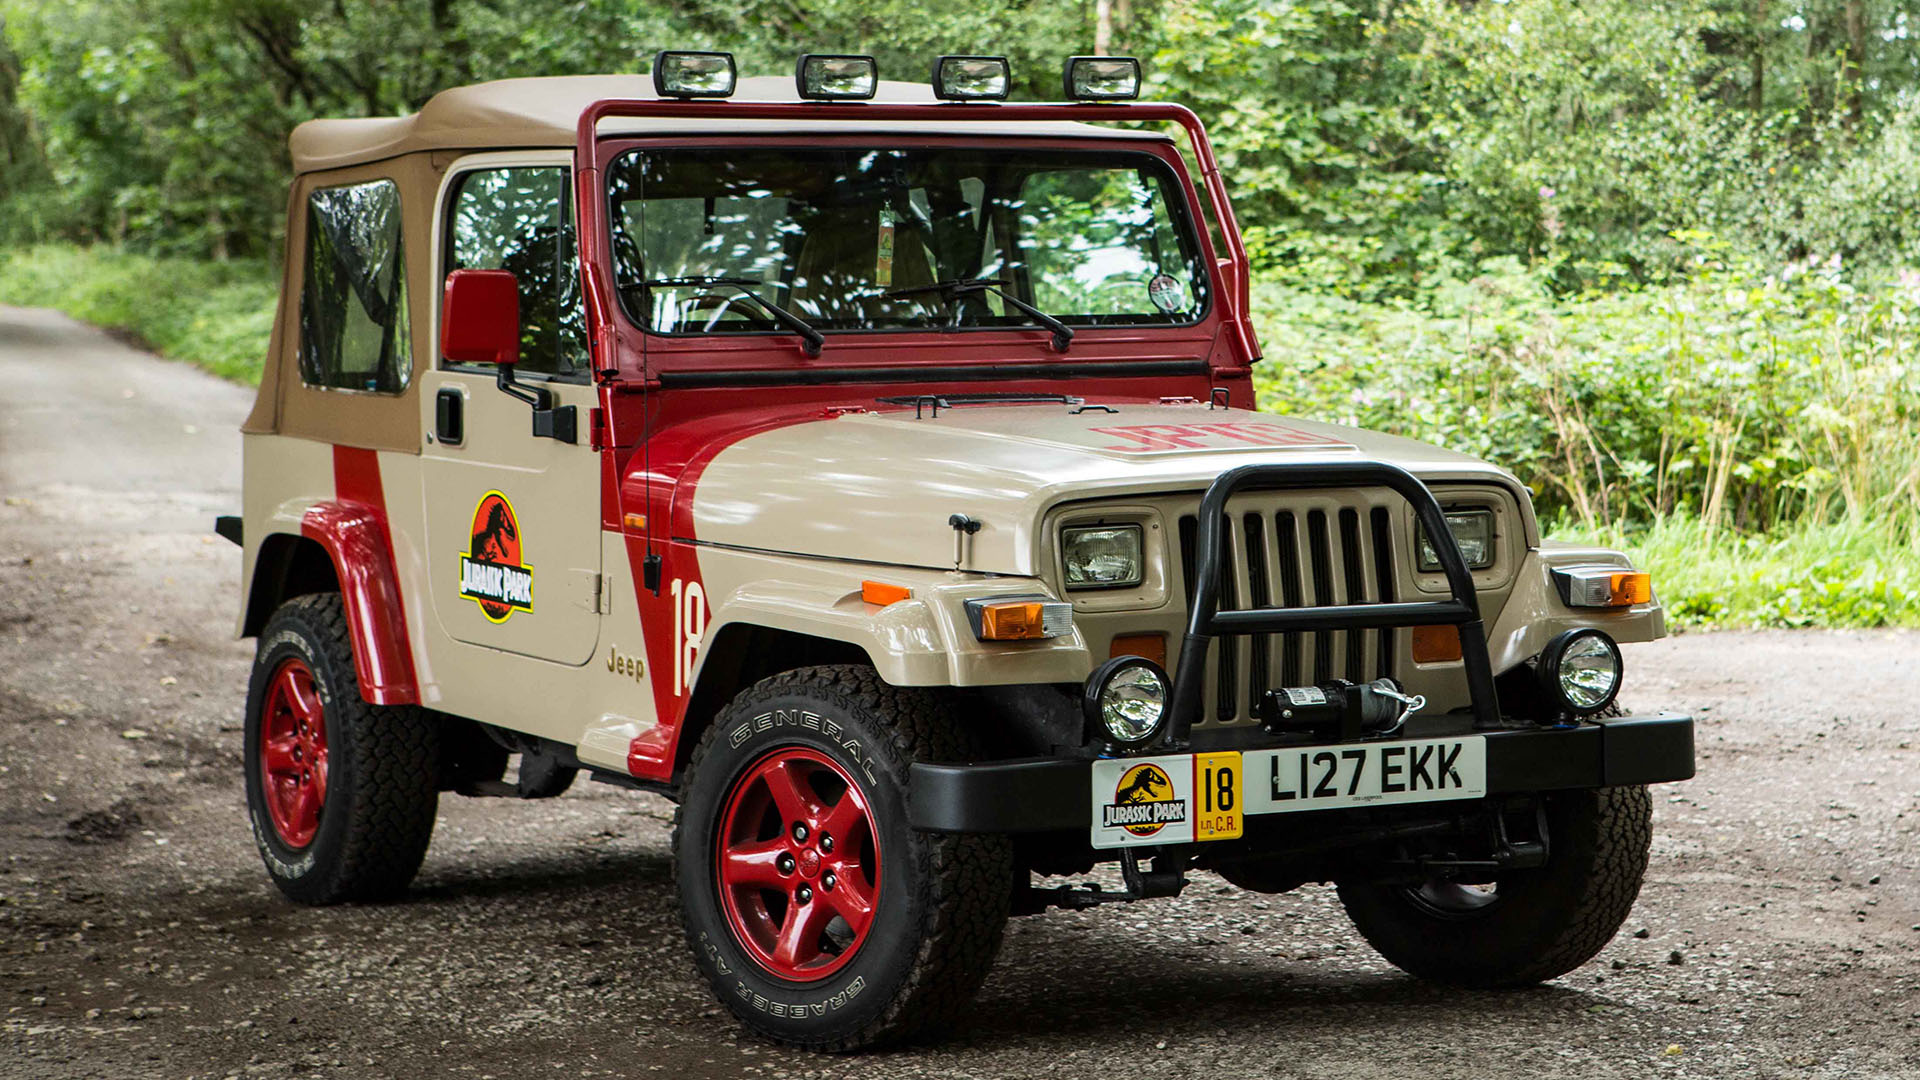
[{"x": 1045, "y": 794}]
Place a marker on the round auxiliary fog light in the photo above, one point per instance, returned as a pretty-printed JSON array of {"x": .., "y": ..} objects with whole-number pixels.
[
  {"x": 1580, "y": 670},
  {"x": 1126, "y": 701}
]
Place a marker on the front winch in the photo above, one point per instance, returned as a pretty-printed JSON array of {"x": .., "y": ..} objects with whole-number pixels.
[{"x": 1339, "y": 709}]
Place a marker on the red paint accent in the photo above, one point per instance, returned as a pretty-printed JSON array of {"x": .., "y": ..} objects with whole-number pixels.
[
  {"x": 293, "y": 754},
  {"x": 480, "y": 318},
  {"x": 1152, "y": 438},
  {"x": 678, "y": 456},
  {"x": 788, "y": 862},
  {"x": 353, "y": 528}
]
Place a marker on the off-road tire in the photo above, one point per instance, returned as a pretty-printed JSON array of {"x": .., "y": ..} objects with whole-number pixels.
[
  {"x": 1544, "y": 923},
  {"x": 383, "y": 767},
  {"x": 943, "y": 898}
]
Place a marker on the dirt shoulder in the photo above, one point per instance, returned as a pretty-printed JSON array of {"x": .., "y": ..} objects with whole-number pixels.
[{"x": 139, "y": 936}]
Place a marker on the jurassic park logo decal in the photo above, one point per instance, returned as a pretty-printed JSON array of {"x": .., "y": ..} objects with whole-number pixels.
[
  {"x": 1143, "y": 802},
  {"x": 492, "y": 572}
]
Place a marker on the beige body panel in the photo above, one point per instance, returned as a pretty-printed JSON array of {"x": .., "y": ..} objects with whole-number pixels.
[
  {"x": 281, "y": 478},
  {"x": 891, "y": 481},
  {"x": 554, "y": 490}
]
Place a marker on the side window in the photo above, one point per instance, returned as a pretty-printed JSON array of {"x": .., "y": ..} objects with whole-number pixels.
[
  {"x": 520, "y": 219},
  {"x": 354, "y": 330}
]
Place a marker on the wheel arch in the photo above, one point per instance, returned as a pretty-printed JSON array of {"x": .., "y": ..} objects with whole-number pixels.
[
  {"x": 342, "y": 547},
  {"x": 287, "y": 565},
  {"x": 740, "y": 654}
]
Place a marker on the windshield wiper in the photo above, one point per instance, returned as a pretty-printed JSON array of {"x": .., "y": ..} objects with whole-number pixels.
[
  {"x": 955, "y": 288},
  {"x": 814, "y": 339}
]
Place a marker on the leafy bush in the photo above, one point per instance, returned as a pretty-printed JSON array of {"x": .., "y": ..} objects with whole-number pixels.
[
  {"x": 1850, "y": 573},
  {"x": 217, "y": 316},
  {"x": 1748, "y": 400}
]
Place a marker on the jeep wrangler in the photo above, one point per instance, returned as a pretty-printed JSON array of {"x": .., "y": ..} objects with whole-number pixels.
[{"x": 873, "y": 469}]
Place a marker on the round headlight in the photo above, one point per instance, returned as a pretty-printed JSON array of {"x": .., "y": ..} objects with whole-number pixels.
[
  {"x": 1580, "y": 670},
  {"x": 1126, "y": 701}
]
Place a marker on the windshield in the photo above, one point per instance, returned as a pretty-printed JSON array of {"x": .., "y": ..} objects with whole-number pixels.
[{"x": 849, "y": 239}]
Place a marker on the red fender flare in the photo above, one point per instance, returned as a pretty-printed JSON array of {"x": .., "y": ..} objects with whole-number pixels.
[{"x": 354, "y": 532}]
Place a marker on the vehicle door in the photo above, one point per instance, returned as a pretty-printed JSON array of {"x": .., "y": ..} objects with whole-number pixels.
[{"x": 513, "y": 518}]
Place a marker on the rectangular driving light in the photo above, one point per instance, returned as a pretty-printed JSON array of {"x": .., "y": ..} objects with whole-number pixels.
[
  {"x": 1103, "y": 78},
  {"x": 1020, "y": 618},
  {"x": 972, "y": 78},
  {"x": 693, "y": 74},
  {"x": 1472, "y": 531},
  {"x": 825, "y": 77}
]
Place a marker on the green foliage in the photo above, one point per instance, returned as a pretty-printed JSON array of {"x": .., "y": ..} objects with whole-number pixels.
[
  {"x": 1745, "y": 399},
  {"x": 1850, "y": 573},
  {"x": 217, "y": 316}
]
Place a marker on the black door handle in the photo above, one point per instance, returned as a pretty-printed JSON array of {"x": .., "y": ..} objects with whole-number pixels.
[{"x": 449, "y": 416}]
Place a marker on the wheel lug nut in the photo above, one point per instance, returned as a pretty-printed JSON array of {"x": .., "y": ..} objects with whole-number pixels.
[
  {"x": 826, "y": 843},
  {"x": 799, "y": 832},
  {"x": 803, "y": 894},
  {"x": 784, "y": 864},
  {"x": 826, "y": 880}
]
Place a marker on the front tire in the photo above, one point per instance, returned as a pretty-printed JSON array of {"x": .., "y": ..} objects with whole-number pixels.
[
  {"x": 1531, "y": 925},
  {"x": 818, "y": 914},
  {"x": 341, "y": 794}
]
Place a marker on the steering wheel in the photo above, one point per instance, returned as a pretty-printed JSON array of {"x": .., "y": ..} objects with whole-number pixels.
[{"x": 724, "y": 303}]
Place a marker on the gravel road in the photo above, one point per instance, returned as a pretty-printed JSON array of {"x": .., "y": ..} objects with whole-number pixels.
[{"x": 1778, "y": 934}]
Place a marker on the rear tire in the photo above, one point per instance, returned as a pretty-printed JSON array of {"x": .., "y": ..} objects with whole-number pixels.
[
  {"x": 1534, "y": 925},
  {"x": 793, "y": 954},
  {"x": 341, "y": 794}
]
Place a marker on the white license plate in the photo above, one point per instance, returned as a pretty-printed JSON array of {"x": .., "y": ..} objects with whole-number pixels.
[
  {"x": 1365, "y": 774},
  {"x": 1181, "y": 798}
]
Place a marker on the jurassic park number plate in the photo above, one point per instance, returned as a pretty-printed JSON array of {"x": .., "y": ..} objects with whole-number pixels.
[{"x": 1181, "y": 798}]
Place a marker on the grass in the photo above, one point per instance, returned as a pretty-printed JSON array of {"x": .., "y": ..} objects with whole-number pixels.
[
  {"x": 1851, "y": 573},
  {"x": 216, "y": 316}
]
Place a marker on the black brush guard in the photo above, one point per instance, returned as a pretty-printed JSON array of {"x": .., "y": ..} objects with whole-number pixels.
[
  {"x": 1205, "y": 620},
  {"x": 1039, "y": 794}
]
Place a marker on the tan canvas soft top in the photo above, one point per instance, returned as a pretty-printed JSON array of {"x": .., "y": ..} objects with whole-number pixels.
[{"x": 520, "y": 113}]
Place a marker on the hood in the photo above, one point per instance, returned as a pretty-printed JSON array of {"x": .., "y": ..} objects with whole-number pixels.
[{"x": 880, "y": 487}]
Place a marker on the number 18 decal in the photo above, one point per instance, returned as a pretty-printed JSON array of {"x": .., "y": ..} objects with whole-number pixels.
[
  {"x": 689, "y": 626},
  {"x": 1216, "y": 796}
]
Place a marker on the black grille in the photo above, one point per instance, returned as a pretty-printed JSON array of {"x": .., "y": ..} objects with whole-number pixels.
[{"x": 1288, "y": 558}]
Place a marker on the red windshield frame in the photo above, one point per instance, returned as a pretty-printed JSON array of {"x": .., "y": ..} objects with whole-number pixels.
[{"x": 1233, "y": 289}]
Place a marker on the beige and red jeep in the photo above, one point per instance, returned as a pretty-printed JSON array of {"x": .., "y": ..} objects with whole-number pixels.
[{"x": 873, "y": 469}]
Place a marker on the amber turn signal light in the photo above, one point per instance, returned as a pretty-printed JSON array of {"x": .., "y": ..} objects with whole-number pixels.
[
  {"x": 1436, "y": 644},
  {"x": 1021, "y": 618},
  {"x": 1603, "y": 586},
  {"x": 882, "y": 594},
  {"x": 1151, "y": 646}
]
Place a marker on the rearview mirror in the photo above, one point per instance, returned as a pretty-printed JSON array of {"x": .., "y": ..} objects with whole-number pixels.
[{"x": 480, "y": 318}]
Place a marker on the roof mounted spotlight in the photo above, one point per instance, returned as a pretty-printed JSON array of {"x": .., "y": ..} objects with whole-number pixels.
[
  {"x": 972, "y": 78},
  {"x": 830, "y": 77},
  {"x": 693, "y": 74},
  {"x": 1102, "y": 78}
]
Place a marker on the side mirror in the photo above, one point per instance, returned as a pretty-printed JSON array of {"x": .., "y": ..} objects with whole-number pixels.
[
  {"x": 480, "y": 318},
  {"x": 480, "y": 324}
]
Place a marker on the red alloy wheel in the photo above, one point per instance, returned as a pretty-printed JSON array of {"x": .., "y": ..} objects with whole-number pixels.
[
  {"x": 293, "y": 754},
  {"x": 798, "y": 864}
]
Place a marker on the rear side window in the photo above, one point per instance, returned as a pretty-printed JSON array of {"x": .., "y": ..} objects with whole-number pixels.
[
  {"x": 354, "y": 330},
  {"x": 520, "y": 219}
]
